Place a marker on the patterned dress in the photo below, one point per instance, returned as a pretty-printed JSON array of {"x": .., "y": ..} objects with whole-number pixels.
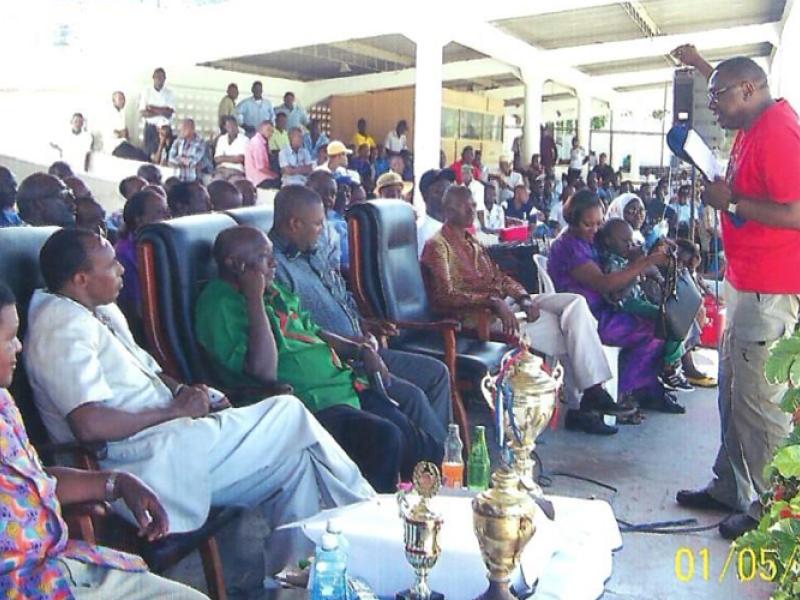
[{"x": 33, "y": 536}]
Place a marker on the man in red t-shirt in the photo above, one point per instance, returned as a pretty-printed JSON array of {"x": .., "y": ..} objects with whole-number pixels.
[{"x": 759, "y": 201}]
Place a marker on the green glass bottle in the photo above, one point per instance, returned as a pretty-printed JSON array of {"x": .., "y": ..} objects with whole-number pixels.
[{"x": 478, "y": 465}]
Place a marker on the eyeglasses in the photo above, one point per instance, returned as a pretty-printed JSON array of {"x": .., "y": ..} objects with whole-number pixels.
[{"x": 713, "y": 95}]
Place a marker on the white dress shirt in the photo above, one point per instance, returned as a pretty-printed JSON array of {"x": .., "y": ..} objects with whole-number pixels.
[
  {"x": 235, "y": 148},
  {"x": 162, "y": 98},
  {"x": 114, "y": 121},
  {"x": 74, "y": 148},
  {"x": 395, "y": 143},
  {"x": 272, "y": 453}
]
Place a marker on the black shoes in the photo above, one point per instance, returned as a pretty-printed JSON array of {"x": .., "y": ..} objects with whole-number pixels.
[
  {"x": 588, "y": 422},
  {"x": 701, "y": 500},
  {"x": 736, "y": 526},
  {"x": 666, "y": 403},
  {"x": 598, "y": 399}
]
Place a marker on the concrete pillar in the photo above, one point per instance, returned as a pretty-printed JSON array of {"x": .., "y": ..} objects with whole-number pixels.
[
  {"x": 532, "y": 114},
  {"x": 584, "y": 118},
  {"x": 427, "y": 107}
]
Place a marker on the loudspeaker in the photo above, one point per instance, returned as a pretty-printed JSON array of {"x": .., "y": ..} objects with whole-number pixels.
[
  {"x": 690, "y": 106},
  {"x": 683, "y": 97}
]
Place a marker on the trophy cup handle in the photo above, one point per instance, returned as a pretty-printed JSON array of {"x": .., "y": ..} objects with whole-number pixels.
[
  {"x": 403, "y": 505},
  {"x": 488, "y": 389}
]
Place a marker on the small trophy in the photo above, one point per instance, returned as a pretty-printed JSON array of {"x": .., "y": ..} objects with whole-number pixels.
[{"x": 421, "y": 531}]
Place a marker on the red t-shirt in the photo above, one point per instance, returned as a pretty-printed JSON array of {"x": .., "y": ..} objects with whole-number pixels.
[
  {"x": 456, "y": 166},
  {"x": 765, "y": 165}
]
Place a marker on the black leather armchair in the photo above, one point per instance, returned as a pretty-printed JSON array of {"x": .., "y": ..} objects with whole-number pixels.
[
  {"x": 93, "y": 522},
  {"x": 387, "y": 284},
  {"x": 260, "y": 216}
]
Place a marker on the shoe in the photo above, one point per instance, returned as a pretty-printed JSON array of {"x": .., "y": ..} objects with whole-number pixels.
[
  {"x": 700, "y": 499},
  {"x": 737, "y": 525},
  {"x": 666, "y": 404},
  {"x": 675, "y": 381},
  {"x": 702, "y": 381},
  {"x": 588, "y": 422},
  {"x": 599, "y": 400}
]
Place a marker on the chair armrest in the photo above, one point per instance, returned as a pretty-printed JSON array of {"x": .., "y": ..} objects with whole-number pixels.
[
  {"x": 86, "y": 454},
  {"x": 440, "y": 325}
]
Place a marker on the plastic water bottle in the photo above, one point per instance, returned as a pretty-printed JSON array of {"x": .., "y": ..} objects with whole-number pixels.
[
  {"x": 330, "y": 579},
  {"x": 334, "y": 527}
]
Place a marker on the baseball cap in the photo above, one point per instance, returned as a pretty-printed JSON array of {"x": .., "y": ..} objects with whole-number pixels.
[
  {"x": 432, "y": 176},
  {"x": 336, "y": 147},
  {"x": 392, "y": 178}
]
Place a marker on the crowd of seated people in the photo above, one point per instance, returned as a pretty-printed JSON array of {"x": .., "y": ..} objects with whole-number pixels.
[{"x": 360, "y": 415}]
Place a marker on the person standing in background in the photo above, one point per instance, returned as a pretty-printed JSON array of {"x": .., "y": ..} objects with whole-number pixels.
[
  {"x": 157, "y": 107},
  {"x": 116, "y": 139},
  {"x": 362, "y": 137},
  {"x": 396, "y": 140},
  {"x": 253, "y": 111},
  {"x": 76, "y": 145},
  {"x": 227, "y": 106},
  {"x": 295, "y": 114}
]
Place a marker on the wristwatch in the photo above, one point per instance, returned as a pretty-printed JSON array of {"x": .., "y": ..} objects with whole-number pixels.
[{"x": 733, "y": 205}]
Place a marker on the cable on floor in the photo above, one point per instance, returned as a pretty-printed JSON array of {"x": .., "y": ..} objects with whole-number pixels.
[{"x": 675, "y": 527}]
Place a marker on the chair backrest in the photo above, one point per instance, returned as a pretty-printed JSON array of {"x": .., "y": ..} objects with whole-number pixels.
[
  {"x": 19, "y": 270},
  {"x": 257, "y": 216},
  {"x": 175, "y": 262},
  {"x": 546, "y": 285},
  {"x": 384, "y": 265}
]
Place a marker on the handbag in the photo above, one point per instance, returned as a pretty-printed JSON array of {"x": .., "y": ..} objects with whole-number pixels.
[{"x": 680, "y": 303}]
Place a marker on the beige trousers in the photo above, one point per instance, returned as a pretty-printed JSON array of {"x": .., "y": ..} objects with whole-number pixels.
[
  {"x": 90, "y": 582},
  {"x": 567, "y": 330},
  {"x": 751, "y": 421}
]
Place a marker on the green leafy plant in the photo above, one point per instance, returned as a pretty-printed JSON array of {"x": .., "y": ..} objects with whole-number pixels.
[{"x": 778, "y": 532}]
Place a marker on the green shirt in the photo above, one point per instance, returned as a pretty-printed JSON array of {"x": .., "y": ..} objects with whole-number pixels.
[
  {"x": 278, "y": 140},
  {"x": 305, "y": 361}
]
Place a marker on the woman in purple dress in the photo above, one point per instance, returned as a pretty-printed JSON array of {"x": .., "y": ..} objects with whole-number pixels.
[{"x": 574, "y": 267}]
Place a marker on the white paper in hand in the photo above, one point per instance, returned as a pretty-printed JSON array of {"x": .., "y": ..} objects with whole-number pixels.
[{"x": 702, "y": 156}]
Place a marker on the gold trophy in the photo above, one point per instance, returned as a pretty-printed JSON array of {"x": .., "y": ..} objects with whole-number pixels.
[
  {"x": 503, "y": 521},
  {"x": 532, "y": 406},
  {"x": 421, "y": 531}
]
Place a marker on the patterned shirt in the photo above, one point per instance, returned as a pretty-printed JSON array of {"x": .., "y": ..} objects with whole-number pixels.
[
  {"x": 194, "y": 150},
  {"x": 33, "y": 536},
  {"x": 460, "y": 276}
]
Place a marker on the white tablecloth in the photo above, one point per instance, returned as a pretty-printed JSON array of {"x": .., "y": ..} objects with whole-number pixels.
[{"x": 570, "y": 558}]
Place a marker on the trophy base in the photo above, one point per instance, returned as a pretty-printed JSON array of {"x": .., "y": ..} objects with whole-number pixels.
[
  {"x": 497, "y": 590},
  {"x": 409, "y": 595}
]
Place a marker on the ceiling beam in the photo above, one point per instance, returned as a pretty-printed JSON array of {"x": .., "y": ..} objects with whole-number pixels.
[
  {"x": 465, "y": 69},
  {"x": 494, "y": 42},
  {"x": 662, "y": 45},
  {"x": 511, "y": 9},
  {"x": 373, "y": 52}
]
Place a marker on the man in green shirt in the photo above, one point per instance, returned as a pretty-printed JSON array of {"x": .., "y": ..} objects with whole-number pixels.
[{"x": 255, "y": 331}]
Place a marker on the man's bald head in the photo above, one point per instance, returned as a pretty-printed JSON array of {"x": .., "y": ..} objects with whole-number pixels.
[
  {"x": 78, "y": 187},
  {"x": 741, "y": 68},
  {"x": 224, "y": 195},
  {"x": 299, "y": 216},
  {"x": 44, "y": 199},
  {"x": 131, "y": 185},
  {"x": 738, "y": 93},
  {"x": 236, "y": 246},
  {"x": 291, "y": 202}
]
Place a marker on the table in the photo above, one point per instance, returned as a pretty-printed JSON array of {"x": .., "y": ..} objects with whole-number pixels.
[{"x": 581, "y": 540}]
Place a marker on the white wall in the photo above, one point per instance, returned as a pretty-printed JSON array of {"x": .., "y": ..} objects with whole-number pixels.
[{"x": 41, "y": 114}]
